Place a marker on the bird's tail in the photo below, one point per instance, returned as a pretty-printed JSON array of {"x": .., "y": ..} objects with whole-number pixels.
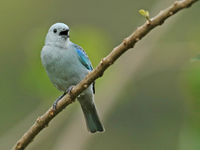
[{"x": 91, "y": 117}]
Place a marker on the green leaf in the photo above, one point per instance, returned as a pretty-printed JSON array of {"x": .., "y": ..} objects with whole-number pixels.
[{"x": 144, "y": 13}]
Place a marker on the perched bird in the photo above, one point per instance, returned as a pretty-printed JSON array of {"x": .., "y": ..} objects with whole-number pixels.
[{"x": 66, "y": 65}]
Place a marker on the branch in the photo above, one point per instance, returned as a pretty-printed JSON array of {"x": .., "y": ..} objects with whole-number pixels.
[{"x": 128, "y": 43}]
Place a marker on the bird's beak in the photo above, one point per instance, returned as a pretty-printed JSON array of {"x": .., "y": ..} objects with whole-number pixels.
[{"x": 64, "y": 33}]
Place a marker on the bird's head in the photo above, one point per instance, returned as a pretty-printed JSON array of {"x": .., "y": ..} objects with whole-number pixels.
[{"x": 58, "y": 34}]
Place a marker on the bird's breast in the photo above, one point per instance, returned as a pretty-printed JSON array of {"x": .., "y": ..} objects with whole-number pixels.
[{"x": 62, "y": 67}]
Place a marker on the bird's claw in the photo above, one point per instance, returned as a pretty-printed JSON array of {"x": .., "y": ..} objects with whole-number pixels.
[
  {"x": 57, "y": 100},
  {"x": 60, "y": 97},
  {"x": 70, "y": 89},
  {"x": 55, "y": 104}
]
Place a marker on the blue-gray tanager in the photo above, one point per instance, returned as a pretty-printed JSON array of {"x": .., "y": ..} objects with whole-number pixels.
[{"x": 66, "y": 65}]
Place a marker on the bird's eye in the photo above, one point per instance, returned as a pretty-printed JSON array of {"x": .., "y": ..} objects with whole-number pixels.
[{"x": 55, "y": 30}]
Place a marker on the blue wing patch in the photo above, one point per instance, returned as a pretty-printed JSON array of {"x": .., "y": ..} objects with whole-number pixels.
[
  {"x": 84, "y": 61},
  {"x": 83, "y": 58}
]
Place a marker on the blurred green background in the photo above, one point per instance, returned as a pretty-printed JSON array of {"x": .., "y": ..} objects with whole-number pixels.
[{"x": 148, "y": 100}]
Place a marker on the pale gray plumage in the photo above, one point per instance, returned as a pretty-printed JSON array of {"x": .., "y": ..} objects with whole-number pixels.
[{"x": 66, "y": 65}]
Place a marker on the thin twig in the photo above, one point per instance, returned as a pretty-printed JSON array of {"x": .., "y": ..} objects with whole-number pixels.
[{"x": 128, "y": 43}]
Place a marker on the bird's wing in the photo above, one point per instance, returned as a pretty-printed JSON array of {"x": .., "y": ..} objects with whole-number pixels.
[{"x": 84, "y": 60}]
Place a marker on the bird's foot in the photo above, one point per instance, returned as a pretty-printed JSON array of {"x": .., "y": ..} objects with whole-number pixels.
[
  {"x": 60, "y": 97},
  {"x": 57, "y": 100},
  {"x": 70, "y": 89}
]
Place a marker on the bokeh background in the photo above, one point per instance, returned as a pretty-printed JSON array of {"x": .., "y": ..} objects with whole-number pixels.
[{"x": 148, "y": 100}]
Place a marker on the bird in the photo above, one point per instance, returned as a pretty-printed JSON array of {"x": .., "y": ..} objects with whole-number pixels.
[{"x": 66, "y": 64}]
